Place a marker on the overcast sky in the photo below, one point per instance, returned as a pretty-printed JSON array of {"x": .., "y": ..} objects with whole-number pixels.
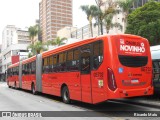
[{"x": 23, "y": 13}]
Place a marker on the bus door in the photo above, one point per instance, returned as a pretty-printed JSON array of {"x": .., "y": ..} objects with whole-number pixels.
[{"x": 85, "y": 73}]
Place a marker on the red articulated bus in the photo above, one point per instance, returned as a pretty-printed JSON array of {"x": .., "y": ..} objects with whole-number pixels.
[{"x": 91, "y": 71}]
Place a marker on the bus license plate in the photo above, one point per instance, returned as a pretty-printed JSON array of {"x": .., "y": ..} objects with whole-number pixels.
[{"x": 134, "y": 81}]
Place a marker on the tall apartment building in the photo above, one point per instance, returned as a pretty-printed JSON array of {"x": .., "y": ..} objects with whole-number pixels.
[
  {"x": 54, "y": 15},
  {"x": 14, "y": 45}
]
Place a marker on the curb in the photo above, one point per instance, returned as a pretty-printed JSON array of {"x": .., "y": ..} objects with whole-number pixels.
[{"x": 145, "y": 103}]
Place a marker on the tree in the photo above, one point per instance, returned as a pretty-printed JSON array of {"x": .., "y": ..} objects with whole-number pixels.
[
  {"x": 36, "y": 48},
  {"x": 126, "y": 6},
  {"x": 145, "y": 21},
  {"x": 57, "y": 41},
  {"x": 100, "y": 15},
  {"x": 105, "y": 15},
  {"x": 108, "y": 22},
  {"x": 33, "y": 31},
  {"x": 91, "y": 12}
]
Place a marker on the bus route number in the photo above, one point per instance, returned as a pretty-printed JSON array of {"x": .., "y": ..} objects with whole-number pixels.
[
  {"x": 98, "y": 74},
  {"x": 146, "y": 69}
]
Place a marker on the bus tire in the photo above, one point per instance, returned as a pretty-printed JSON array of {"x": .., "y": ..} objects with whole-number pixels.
[
  {"x": 34, "y": 92},
  {"x": 65, "y": 95},
  {"x": 15, "y": 86}
]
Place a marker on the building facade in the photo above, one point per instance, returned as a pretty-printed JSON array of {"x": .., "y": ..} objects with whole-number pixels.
[
  {"x": 54, "y": 15},
  {"x": 14, "y": 45},
  {"x": 140, "y": 3}
]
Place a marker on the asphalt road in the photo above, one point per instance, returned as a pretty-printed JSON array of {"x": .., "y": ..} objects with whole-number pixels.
[{"x": 20, "y": 100}]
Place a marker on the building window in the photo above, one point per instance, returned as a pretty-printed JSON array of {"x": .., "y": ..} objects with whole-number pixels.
[
  {"x": 7, "y": 32},
  {"x": 11, "y": 41}
]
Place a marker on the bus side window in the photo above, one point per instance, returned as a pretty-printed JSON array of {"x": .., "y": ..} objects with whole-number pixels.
[
  {"x": 18, "y": 70},
  {"x": 69, "y": 60},
  {"x": 75, "y": 61},
  {"x": 29, "y": 68},
  {"x": 47, "y": 67},
  {"x": 54, "y": 63},
  {"x": 45, "y": 62},
  {"x": 57, "y": 65},
  {"x": 62, "y": 62},
  {"x": 85, "y": 59},
  {"x": 33, "y": 67},
  {"x": 50, "y": 63},
  {"x": 97, "y": 54}
]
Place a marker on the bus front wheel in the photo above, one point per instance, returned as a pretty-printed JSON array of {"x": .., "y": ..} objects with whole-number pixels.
[{"x": 65, "y": 95}]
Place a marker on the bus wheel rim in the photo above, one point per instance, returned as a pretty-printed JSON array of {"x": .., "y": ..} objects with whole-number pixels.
[{"x": 65, "y": 95}]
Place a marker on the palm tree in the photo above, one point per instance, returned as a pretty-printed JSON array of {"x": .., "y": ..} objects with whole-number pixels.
[
  {"x": 110, "y": 8},
  {"x": 109, "y": 24},
  {"x": 36, "y": 48},
  {"x": 33, "y": 31},
  {"x": 91, "y": 12},
  {"x": 126, "y": 8},
  {"x": 57, "y": 41},
  {"x": 100, "y": 15}
]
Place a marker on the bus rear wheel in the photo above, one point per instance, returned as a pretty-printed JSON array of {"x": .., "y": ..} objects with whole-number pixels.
[
  {"x": 34, "y": 92},
  {"x": 65, "y": 95}
]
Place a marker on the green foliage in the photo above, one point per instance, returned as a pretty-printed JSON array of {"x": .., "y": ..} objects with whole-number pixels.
[
  {"x": 105, "y": 16},
  {"x": 36, "y": 48},
  {"x": 126, "y": 7},
  {"x": 109, "y": 12},
  {"x": 91, "y": 12},
  {"x": 145, "y": 21},
  {"x": 33, "y": 31},
  {"x": 57, "y": 41},
  {"x": 108, "y": 22},
  {"x": 125, "y": 4}
]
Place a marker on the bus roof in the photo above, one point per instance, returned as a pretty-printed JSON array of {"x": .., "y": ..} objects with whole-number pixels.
[
  {"x": 70, "y": 46},
  {"x": 14, "y": 65},
  {"x": 82, "y": 42},
  {"x": 29, "y": 60},
  {"x": 66, "y": 46}
]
